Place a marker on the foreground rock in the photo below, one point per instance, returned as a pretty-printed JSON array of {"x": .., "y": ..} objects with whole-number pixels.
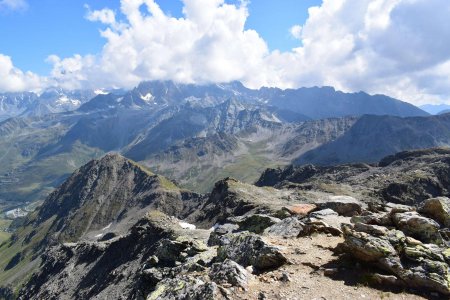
[
  {"x": 229, "y": 272},
  {"x": 186, "y": 287},
  {"x": 413, "y": 263},
  {"x": 437, "y": 209},
  {"x": 249, "y": 249}
]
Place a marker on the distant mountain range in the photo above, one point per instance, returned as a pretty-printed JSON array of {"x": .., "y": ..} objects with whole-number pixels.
[
  {"x": 50, "y": 101},
  {"x": 299, "y": 104},
  {"x": 188, "y": 132}
]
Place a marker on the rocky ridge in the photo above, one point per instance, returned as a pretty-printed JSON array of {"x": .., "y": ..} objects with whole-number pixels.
[{"x": 243, "y": 241}]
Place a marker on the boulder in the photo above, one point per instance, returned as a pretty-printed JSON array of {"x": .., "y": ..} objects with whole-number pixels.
[
  {"x": 438, "y": 209},
  {"x": 320, "y": 214},
  {"x": 220, "y": 231},
  {"x": 229, "y": 272},
  {"x": 287, "y": 228},
  {"x": 185, "y": 287},
  {"x": 375, "y": 230},
  {"x": 397, "y": 208},
  {"x": 343, "y": 205},
  {"x": 417, "y": 226},
  {"x": 366, "y": 247},
  {"x": 248, "y": 249},
  {"x": 318, "y": 226},
  {"x": 300, "y": 209},
  {"x": 254, "y": 223},
  {"x": 415, "y": 264}
]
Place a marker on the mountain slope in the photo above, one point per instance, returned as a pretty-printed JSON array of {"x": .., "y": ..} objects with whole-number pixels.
[
  {"x": 105, "y": 196},
  {"x": 192, "y": 121},
  {"x": 199, "y": 162},
  {"x": 373, "y": 137},
  {"x": 326, "y": 102}
]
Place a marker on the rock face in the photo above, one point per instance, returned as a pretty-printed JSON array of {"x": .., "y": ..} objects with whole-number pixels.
[
  {"x": 248, "y": 249},
  {"x": 104, "y": 193},
  {"x": 413, "y": 263}
]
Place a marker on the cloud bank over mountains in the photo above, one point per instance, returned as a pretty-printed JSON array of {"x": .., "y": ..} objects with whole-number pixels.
[{"x": 394, "y": 47}]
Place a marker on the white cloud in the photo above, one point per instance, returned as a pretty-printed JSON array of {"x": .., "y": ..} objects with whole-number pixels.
[
  {"x": 13, "y": 4},
  {"x": 105, "y": 16},
  {"x": 296, "y": 31},
  {"x": 395, "y": 47},
  {"x": 209, "y": 44},
  {"x": 14, "y": 80}
]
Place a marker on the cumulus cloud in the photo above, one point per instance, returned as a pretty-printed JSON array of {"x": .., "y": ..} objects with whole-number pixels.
[
  {"x": 13, "y": 5},
  {"x": 14, "y": 80},
  {"x": 209, "y": 44},
  {"x": 395, "y": 47}
]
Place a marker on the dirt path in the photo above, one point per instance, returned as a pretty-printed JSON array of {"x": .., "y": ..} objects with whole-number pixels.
[{"x": 310, "y": 258}]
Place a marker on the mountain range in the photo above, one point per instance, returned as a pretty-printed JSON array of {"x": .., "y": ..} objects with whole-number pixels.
[
  {"x": 187, "y": 132},
  {"x": 179, "y": 191}
]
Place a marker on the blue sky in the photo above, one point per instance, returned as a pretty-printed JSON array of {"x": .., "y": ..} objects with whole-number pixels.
[
  {"x": 59, "y": 27},
  {"x": 397, "y": 48}
]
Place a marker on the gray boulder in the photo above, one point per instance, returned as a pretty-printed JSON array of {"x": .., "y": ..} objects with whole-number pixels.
[
  {"x": 417, "y": 226},
  {"x": 287, "y": 228},
  {"x": 408, "y": 261},
  {"x": 229, "y": 272},
  {"x": 218, "y": 236},
  {"x": 248, "y": 249},
  {"x": 437, "y": 209},
  {"x": 254, "y": 223},
  {"x": 343, "y": 205},
  {"x": 320, "y": 214},
  {"x": 185, "y": 287}
]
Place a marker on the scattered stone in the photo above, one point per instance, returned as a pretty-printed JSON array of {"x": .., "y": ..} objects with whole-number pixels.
[
  {"x": 330, "y": 271},
  {"x": 248, "y": 249},
  {"x": 385, "y": 279},
  {"x": 262, "y": 296},
  {"x": 153, "y": 260},
  {"x": 285, "y": 277},
  {"x": 249, "y": 269},
  {"x": 312, "y": 227}
]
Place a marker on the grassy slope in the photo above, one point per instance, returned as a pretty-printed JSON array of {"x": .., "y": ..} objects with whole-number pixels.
[
  {"x": 246, "y": 167},
  {"x": 4, "y": 224},
  {"x": 19, "y": 274}
]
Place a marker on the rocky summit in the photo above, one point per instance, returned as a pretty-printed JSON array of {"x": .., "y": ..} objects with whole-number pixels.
[{"x": 115, "y": 230}]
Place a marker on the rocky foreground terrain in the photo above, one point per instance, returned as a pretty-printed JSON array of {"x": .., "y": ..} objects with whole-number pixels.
[{"x": 114, "y": 230}]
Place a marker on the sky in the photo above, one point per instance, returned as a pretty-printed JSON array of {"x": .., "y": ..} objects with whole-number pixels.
[{"x": 393, "y": 47}]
